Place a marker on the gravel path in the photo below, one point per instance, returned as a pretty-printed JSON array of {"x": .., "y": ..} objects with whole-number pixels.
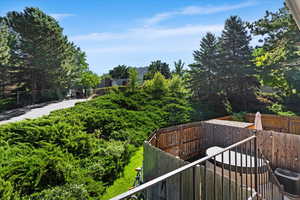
[{"x": 39, "y": 112}]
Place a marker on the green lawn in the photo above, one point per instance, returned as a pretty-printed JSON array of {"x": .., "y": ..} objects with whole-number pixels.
[{"x": 126, "y": 181}]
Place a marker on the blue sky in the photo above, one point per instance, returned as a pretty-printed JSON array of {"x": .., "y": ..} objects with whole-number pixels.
[{"x": 136, "y": 32}]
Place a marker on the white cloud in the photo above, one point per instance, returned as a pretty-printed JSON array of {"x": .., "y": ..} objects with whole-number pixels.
[
  {"x": 139, "y": 46},
  {"x": 98, "y": 36},
  {"x": 196, "y": 10},
  {"x": 60, "y": 16},
  {"x": 160, "y": 17},
  {"x": 147, "y": 33}
]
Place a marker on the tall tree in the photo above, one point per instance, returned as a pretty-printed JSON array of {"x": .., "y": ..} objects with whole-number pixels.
[
  {"x": 4, "y": 56},
  {"x": 204, "y": 71},
  {"x": 204, "y": 80},
  {"x": 43, "y": 52},
  {"x": 277, "y": 60},
  {"x": 237, "y": 72},
  {"x": 133, "y": 79},
  {"x": 179, "y": 67},
  {"x": 158, "y": 66}
]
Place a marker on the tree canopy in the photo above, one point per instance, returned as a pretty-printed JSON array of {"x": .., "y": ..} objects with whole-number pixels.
[
  {"x": 119, "y": 72},
  {"x": 158, "y": 66},
  {"x": 277, "y": 60},
  {"x": 36, "y": 56},
  {"x": 179, "y": 65}
]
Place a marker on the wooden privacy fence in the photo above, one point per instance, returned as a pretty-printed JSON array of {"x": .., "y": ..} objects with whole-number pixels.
[
  {"x": 183, "y": 141},
  {"x": 191, "y": 141},
  {"x": 281, "y": 149},
  {"x": 169, "y": 178},
  {"x": 181, "y": 186},
  {"x": 278, "y": 123}
]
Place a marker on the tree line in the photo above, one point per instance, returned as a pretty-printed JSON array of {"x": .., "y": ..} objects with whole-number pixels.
[
  {"x": 231, "y": 75},
  {"x": 35, "y": 55}
]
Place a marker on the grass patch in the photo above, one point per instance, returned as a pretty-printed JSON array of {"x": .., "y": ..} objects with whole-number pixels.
[{"x": 126, "y": 181}]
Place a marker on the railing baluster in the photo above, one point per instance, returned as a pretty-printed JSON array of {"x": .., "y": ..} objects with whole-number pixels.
[
  {"x": 265, "y": 178},
  {"x": 205, "y": 168},
  {"x": 194, "y": 183},
  {"x": 268, "y": 181},
  {"x": 214, "y": 177},
  {"x": 241, "y": 170},
  {"x": 229, "y": 185},
  {"x": 251, "y": 168},
  {"x": 236, "y": 181},
  {"x": 261, "y": 174},
  {"x": 222, "y": 175},
  {"x": 180, "y": 186},
  {"x": 247, "y": 168},
  {"x": 255, "y": 166}
]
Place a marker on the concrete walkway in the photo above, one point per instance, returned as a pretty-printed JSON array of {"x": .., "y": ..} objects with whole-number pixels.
[{"x": 39, "y": 112}]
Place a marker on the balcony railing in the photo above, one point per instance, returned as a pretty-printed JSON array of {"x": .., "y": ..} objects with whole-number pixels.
[{"x": 239, "y": 171}]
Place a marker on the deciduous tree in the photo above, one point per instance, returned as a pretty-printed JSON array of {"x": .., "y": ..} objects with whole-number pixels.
[
  {"x": 158, "y": 66},
  {"x": 120, "y": 72},
  {"x": 277, "y": 60}
]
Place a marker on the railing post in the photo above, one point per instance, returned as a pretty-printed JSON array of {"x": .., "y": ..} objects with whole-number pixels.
[
  {"x": 256, "y": 168},
  {"x": 180, "y": 186}
]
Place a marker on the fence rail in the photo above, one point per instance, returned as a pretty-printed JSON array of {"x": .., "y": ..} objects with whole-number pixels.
[{"x": 238, "y": 171}]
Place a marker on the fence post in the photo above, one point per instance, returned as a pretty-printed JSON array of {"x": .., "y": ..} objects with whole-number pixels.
[{"x": 180, "y": 142}]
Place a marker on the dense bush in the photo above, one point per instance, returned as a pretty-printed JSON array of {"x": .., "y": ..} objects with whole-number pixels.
[
  {"x": 77, "y": 152},
  {"x": 7, "y": 104}
]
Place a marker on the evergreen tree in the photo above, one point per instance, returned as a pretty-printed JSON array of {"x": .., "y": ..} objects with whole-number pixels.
[
  {"x": 4, "y": 56},
  {"x": 237, "y": 72},
  {"x": 158, "y": 66},
  {"x": 133, "y": 79},
  {"x": 204, "y": 80},
  {"x": 204, "y": 72},
  {"x": 44, "y": 55},
  {"x": 179, "y": 67}
]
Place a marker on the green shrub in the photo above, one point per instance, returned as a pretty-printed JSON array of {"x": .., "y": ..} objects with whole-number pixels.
[
  {"x": 280, "y": 110},
  {"x": 240, "y": 117},
  {"x": 76, "y": 153},
  {"x": 7, "y": 104},
  {"x": 66, "y": 192},
  {"x": 6, "y": 190}
]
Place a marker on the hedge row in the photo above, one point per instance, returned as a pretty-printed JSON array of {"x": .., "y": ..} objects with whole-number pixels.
[{"x": 76, "y": 153}]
